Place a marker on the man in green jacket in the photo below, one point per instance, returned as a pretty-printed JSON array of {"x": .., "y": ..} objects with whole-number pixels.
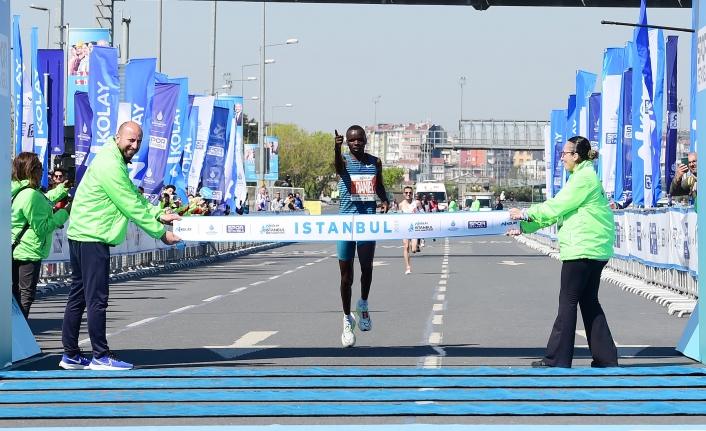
[
  {"x": 105, "y": 201},
  {"x": 475, "y": 205}
]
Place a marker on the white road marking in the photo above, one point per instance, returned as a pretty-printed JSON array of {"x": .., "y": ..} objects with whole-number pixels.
[
  {"x": 444, "y": 266},
  {"x": 435, "y": 338},
  {"x": 432, "y": 362},
  {"x": 442, "y": 281},
  {"x": 510, "y": 262},
  {"x": 440, "y": 297},
  {"x": 442, "y": 288},
  {"x": 238, "y": 290},
  {"x": 256, "y": 283},
  {"x": 438, "y": 307},
  {"x": 138, "y": 323},
  {"x": 300, "y": 267},
  {"x": 274, "y": 277},
  {"x": 444, "y": 276},
  {"x": 438, "y": 319},
  {"x": 380, "y": 263},
  {"x": 182, "y": 309},
  {"x": 624, "y": 351},
  {"x": 249, "y": 340},
  {"x": 288, "y": 272},
  {"x": 212, "y": 298},
  {"x": 310, "y": 263}
]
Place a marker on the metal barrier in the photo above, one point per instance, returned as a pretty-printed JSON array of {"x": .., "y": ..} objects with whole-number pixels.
[
  {"x": 126, "y": 265},
  {"x": 675, "y": 280}
]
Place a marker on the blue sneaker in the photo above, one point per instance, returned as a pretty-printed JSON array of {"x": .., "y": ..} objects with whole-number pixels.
[
  {"x": 109, "y": 362},
  {"x": 77, "y": 362}
]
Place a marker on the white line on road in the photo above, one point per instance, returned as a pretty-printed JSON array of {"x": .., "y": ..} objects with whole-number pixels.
[
  {"x": 288, "y": 272},
  {"x": 438, "y": 319},
  {"x": 442, "y": 288},
  {"x": 274, "y": 277},
  {"x": 212, "y": 298},
  {"x": 440, "y": 297},
  {"x": 438, "y": 307},
  {"x": 444, "y": 276},
  {"x": 432, "y": 362},
  {"x": 178, "y": 310},
  {"x": 149, "y": 319},
  {"x": 442, "y": 281},
  {"x": 256, "y": 283},
  {"x": 249, "y": 340},
  {"x": 435, "y": 338},
  {"x": 310, "y": 263},
  {"x": 300, "y": 267},
  {"x": 238, "y": 290}
]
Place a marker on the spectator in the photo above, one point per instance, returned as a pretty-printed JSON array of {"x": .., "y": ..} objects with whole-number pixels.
[
  {"x": 453, "y": 205},
  {"x": 498, "y": 204},
  {"x": 425, "y": 205},
  {"x": 502, "y": 196},
  {"x": 586, "y": 236},
  {"x": 105, "y": 201},
  {"x": 33, "y": 222},
  {"x": 244, "y": 208},
  {"x": 262, "y": 200},
  {"x": 475, "y": 204},
  {"x": 57, "y": 177},
  {"x": 394, "y": 206},
  {"x": 433, "y": 204},
  {"x": 277, "y": 203},
  {"x": 298, "y": 201},
  {"x": 684, "y": 182}
]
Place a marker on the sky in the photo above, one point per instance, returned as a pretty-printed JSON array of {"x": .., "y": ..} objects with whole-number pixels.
[{"x": 519, "y": 63}]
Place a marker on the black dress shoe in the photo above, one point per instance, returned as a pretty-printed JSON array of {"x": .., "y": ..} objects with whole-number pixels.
[{"x": 540, "y": 364}]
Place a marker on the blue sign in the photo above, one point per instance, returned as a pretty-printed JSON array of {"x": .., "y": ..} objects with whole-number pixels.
[
  {"x": 82, "y": 132},
  {"x": 104, "y": 96},
  {"x": 212, "y": 175},
  {"x": 17, "y": 78},
  {"x": 670, "y": 155},
  {"x": 139, "y": 93}
]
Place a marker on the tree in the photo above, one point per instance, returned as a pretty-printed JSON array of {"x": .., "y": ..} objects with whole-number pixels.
[
  {"x": 452, "y": 189},
  {"x": 249, "y": 132},
  {"x": 392, "y": 177},
  {"x": 306, "y": 158}
]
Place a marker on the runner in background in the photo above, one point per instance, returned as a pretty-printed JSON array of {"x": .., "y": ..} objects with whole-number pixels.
[
  {"x": 361, "y": 181},
  {"x": 409, "y": 205}
]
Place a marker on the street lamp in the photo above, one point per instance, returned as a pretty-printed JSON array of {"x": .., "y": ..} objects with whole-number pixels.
[
  {"x": 45, "y": 9},
  {"x": 461, "y": 81},
  {"x": 272, "y": 118},
  {"x": 229, "y": 82}
]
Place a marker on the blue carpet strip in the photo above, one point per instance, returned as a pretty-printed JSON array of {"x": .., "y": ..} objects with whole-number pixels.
[
  {"x": 352, "y": 409},
  {"x": 333, "y": 396},
  {"x": 362, "y": 382},
  {"x": 362, "y": 372}
]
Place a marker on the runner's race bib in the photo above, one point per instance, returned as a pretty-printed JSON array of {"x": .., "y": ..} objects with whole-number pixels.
[{"x": 362, "y": 188}]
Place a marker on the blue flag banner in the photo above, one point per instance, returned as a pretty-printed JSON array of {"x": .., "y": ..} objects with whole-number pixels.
[
  {"x": 585, "y": 84},
  {"x": 658, "y": 59},
  {"x": 250, "y": 173},
  {"x": 180, "y": 132},
  {"x": 39, "y": 103},
  {"x": 205, "y": 104},
  {"x": 51, "y": 61},
  {"x": 594, "y": 124},
  {"x": 161, "y": 77},
  {"x": 271, "y": 158},
  {"x": 610, "y": 104},
  {"x": 570, "y": 130},
  {"x": 213, "y": 175},
  {"x": 104, "y": 95},
  {"x": 83, "y": 116},
  {"x": 644, "y": 121},
  {"x": 17, "y": 78},
  {"x": 558, "y": 125},
  {"x": 693, "y": 86},
  {"x": 670, "y": 154},
  {"x": 235, "y": 146},
  {"x": 188, "y": 155},
  {"x": 166, "y": 97},
  {"x": 623, "y": 175},
  {"x": 81, "y": 43},
  {"x": 139, "y": 93}
]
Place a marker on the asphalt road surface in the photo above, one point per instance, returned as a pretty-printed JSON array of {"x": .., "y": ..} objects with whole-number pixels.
[{"x": 491, "y": 302}]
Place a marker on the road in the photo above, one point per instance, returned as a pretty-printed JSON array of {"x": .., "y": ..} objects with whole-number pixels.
[{"x": 490, "y": 303}]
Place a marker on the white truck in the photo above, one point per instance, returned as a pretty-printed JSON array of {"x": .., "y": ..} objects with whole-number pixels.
[{"x": 436, "y": 189}]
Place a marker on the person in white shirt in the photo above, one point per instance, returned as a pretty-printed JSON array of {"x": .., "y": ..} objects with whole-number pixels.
[
  {"x": 409, "y": 205},
  {"x": 276, "y": 204}
]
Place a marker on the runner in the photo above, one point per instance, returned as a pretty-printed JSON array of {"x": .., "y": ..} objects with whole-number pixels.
[
  {"x": 409, "y": 205},
  {"x": 361, "y": 180}
]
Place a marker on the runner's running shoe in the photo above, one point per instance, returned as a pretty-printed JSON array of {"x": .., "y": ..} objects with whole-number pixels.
[
  {"x": 409, "y": 270},
  {"x": 109, "y": 362},
  {"x": 364, "y": 321},
  {"x": 348, "y": 337},
  {"x": 76, "y": 362}
]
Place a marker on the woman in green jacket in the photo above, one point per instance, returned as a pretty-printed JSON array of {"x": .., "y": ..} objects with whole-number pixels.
[
  {"x": 33, "y": 222},
  {"x": 586, "y": 235}
]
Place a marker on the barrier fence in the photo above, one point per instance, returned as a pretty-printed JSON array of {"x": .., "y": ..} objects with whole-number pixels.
[{"x": 658, "y": 246}]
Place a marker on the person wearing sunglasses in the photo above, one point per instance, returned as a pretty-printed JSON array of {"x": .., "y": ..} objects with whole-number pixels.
[
  {"x": 586, "y": 235},
  {"x": 33, "y": 222},
  {"x": 409, "y": 205},
  {"x": 360, "y": 183}
]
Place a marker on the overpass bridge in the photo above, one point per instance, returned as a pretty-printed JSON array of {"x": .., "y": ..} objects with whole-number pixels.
[{"x": 510, "y": 135}]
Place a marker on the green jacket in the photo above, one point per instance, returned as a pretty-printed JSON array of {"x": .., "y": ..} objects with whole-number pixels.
[
  {"x": 36, "y": 208},
  {"x": 586, "y": 224},
  {"x": 475, "y": 206},
  {"x": 106, "y": 199},
  {"x": 453, "y": 206}
]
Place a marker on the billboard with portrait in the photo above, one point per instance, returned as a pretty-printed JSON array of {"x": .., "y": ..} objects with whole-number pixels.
[
  {"x": 271, "y": 158},
  {"x": 81, "y": 43}
]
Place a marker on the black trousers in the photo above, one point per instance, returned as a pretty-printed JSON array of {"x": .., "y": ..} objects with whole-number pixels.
[
  {"x": 90, "y": 271},
  {"x": 25, "y": 276},
  {"x": 580, "y": 280}
]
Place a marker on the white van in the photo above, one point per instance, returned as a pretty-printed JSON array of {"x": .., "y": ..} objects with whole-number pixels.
[{"x": 437, "y": 189}]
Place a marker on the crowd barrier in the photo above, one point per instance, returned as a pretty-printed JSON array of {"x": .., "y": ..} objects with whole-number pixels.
[
  {"x": 139, "y": 251},
  {"x": 656, "y": 245}
]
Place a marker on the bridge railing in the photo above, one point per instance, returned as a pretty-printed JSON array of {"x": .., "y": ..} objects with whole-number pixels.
[{"x": 657, "y": 246}]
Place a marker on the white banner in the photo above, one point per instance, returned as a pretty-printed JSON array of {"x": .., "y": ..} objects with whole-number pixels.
[
  {"x": 205, "y": 105},
  {"x": 377, "y": 227},
  {"x": 610, "y": 100}
]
